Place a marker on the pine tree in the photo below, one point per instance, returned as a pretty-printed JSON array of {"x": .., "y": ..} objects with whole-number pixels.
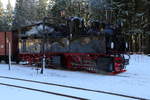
[
  {"x": 42, "y": 6},
  {"x": 25, "y": 13},
  {"x": 98, "y": 9},
  {"x": 19, "y": 19},
  {"x": 58, "y": 6},
  {"x": 70, "y": 7},
  {"x": 8, "y": 16},
  {"x": 31, "y": 11},
  {"x": 51, "y": 3},
  {"x": 131, "y": 14},
  {"x": 146, "y": 18},
  {"x": 1, "y": 8},
  {"x": 1, "y": 15}
]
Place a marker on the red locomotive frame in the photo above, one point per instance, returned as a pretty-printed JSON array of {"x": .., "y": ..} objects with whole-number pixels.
[{"x": 73, "y": 61}]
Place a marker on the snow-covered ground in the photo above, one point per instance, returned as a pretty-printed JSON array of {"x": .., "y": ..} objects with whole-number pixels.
[{"x": 134, "y": 82}]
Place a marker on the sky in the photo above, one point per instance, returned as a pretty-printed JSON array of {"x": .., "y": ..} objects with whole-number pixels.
[{"x": 6, "y": 1}]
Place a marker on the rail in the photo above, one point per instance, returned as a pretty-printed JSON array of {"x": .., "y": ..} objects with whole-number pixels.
[{"x": 72, "y": 87}]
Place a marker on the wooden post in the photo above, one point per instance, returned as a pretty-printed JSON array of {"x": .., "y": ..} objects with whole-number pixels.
[
  {"x": 43, "y": 64},
  {"x": 9, "y": 54},
  {"x": 44, "y": 46}
]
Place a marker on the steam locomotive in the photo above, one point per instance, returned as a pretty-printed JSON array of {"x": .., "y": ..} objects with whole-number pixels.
[{"x": 70, "y": 44}]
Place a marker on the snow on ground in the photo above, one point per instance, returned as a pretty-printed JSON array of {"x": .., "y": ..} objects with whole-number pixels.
[
  {"x": 9, "y": 93},
  {"x": 56, "y": 89},
  {"x": 134, "y": 82}
]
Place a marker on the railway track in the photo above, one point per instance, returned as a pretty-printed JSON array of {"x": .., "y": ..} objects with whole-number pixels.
[
  {"x": 65, "y": 86},
  {"x": 43, "y": 91}
]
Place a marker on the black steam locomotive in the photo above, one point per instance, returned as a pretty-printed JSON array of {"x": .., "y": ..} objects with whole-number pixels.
[{"x": 70, "y": 44}]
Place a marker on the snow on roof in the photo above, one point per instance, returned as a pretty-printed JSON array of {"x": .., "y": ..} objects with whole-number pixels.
[
  {"x": 39, "y": 29},
  {"x": 77, "y": 18}
]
